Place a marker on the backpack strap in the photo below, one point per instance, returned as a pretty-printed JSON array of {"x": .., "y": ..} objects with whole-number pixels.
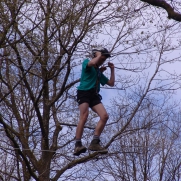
[{"x": 98, "y": 79}]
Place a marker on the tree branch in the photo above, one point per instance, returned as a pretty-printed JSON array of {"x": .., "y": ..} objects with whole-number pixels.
[
  {"x": 74, "y": 163},
  {"x": 163, "y": 4},
  {"x": 16, "y": 147}
]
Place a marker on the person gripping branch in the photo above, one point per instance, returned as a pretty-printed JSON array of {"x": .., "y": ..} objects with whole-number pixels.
[{"x": 88, "y": 96}]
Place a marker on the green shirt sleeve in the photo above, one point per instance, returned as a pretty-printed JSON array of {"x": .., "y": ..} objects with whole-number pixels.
[
  {"x": 85, "y": 63},
  {"x": 103, "y": 79}
]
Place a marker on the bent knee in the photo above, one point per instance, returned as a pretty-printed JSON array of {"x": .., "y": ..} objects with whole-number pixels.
[
  {"x": 83, "y": 117},
  {"x": 105, "y": 117}
]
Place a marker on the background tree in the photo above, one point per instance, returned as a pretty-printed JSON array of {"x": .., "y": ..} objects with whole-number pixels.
[{"x": 43, "y": 45}]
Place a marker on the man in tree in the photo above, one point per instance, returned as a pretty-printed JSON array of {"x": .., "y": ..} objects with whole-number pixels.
[{"x": 88, "y": 96}]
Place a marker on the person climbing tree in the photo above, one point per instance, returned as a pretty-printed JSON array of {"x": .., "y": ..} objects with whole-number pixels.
[{"x": 88, "y": 96}]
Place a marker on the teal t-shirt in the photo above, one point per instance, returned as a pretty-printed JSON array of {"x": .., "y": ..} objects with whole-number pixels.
[{"x": 89, "y": 77}]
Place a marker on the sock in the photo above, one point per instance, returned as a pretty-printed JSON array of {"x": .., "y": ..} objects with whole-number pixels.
[
  {"x": 95, "y": 137},
  {"x": 77, "y": 140}
]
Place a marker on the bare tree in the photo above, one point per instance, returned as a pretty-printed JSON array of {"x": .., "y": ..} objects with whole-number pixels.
[
  {"x": 43, "y": 44},
  {"x": 145, "y": 150}
]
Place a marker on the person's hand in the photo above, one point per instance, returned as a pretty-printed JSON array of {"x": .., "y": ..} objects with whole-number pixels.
[
  {"x": 110, "y": 65},
  {"x": 102, "y": 69}
]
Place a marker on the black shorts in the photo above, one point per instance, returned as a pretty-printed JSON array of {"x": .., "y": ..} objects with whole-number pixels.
[{"x": 88, "y": 96}]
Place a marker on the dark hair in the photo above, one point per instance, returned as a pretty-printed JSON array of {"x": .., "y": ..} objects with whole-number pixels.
[{"x": 104, "y": 52}]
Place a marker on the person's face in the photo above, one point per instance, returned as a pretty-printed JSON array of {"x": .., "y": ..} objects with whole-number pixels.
[{"x": 102, "y": 60}]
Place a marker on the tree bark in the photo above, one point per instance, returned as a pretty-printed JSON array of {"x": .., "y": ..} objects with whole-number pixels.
[{"x": 163, "y": 4}]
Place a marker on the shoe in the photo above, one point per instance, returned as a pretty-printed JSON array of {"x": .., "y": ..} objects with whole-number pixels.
[
  {"x": 95, "y": 146},
  {"x": 79, "y": 149}
]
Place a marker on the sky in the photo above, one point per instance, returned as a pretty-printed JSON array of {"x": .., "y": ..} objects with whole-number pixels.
[{"x": 148, "y": 28}]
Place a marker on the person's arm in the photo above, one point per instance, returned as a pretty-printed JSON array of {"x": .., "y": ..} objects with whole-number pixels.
[
  {"x": 111, "y": 81},
  {"x": 95, "y": 60}
]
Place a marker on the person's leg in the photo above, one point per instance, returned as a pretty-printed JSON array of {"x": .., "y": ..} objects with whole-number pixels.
[
  {"x": 94, "y": 146},
  {"x": 84, "y": 110},
  {"x": 102, "y": 113}
]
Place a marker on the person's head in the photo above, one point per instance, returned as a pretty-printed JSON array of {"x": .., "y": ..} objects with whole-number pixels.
[{"x": 104, "y": 54}]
